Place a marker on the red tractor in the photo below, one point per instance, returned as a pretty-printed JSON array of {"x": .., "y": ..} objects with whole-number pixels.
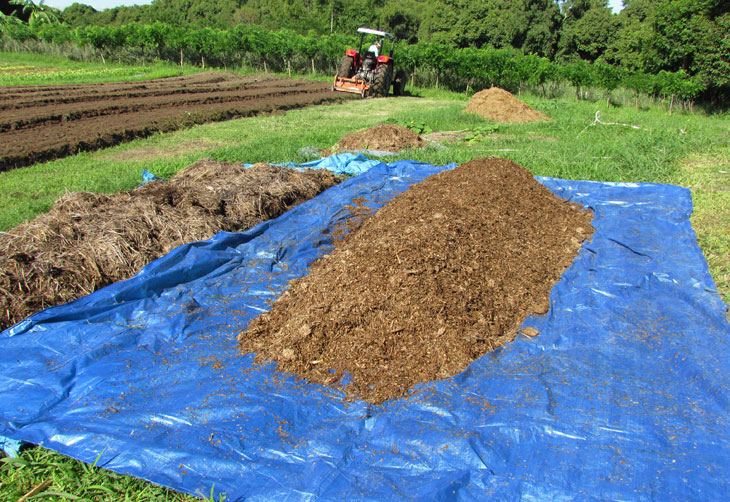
[{"x": 372, "y": 74}]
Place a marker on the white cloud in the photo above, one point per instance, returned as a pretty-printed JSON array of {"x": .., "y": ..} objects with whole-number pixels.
[{"x": 616, "y": 5}]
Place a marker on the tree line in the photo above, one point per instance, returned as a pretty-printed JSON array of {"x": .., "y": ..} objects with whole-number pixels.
[
  {"x": 288, "y": 51},
  {"x": 647, "y": 35},
  {"x": 689, "y": 39}
]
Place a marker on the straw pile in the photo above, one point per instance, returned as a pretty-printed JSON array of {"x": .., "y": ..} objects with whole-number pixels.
[{"x": 88, "y": 241}]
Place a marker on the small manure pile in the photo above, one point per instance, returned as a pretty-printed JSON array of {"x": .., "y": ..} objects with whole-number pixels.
[
  {"x": 387, "y": 137},
  {"x": 501, "y": 106},
  {"x": 88, "y": 240},
  {"x": 444, "y": 273}
]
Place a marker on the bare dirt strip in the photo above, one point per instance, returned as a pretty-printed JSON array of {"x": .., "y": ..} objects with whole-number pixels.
[{"x": 40, "y": 123}]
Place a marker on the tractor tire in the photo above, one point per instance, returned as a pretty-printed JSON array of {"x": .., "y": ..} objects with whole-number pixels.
[
  {"x": 347, "y": 69},
  {"x": 399, "y": 83},
  {"x": 381, "y": 81}
]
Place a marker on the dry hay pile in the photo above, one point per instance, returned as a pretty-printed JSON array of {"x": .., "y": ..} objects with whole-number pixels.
[
  {"x": 444, "y": 273},
  {"x": 87, "y": 241},
  {"x": 501, "y": 106},
  {"x": 387, "y": 137}
]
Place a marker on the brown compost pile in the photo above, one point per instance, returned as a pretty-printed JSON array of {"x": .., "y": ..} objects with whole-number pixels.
[
  {"x": 442, "y": 274},
  {"x": 387, "y": 137},
  {"x": 501, "y": 106},
  {"x": 89, "y": 240}
]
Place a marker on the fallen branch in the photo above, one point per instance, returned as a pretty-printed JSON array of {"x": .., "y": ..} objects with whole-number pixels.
[
  {"x": 597, "y": 120},
  {"x": 35, "y": 491}
]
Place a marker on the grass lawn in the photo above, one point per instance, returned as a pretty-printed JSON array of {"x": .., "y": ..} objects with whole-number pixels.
[
  {"x": 37, "y": 69},
  {"x": 691, "y": 150}
]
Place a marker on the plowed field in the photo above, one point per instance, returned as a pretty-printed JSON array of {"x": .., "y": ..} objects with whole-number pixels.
[{"x": 39, "y": 123}]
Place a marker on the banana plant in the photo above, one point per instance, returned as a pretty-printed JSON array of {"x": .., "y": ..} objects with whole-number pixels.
[{"x": 34, "y": 14}]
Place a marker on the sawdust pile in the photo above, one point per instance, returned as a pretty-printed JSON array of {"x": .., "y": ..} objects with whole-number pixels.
[
  {"x": 441, "y": 275},
  {"x": 88, "y": 240},
  {"x": 501, "y": 106},
  {"x": 387, "y": 137}
]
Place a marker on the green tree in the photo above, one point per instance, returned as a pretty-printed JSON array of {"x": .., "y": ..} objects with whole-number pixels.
[
  {"x": 153, "y": 37},
  {"x": 497, "y": 67},
  {"x": 531, "y": 26},
  {"x": 17, "y": 30},
  {"x": 588, "y": 32},
  {"x": 78, "y": 14},
  {"x": 261, "y": 43},
  {"x": 56, "y": 33},
  {"x": 537, "y": 71},
  {"x": 203, "y": 41},
  {"x": 691, "y": 36},
  {"x": 608, "y": 78},
  {"x": 712, "y": 65},
  {"x": 542, "y": 21},
  {"x": 640, "y": 83},
  {"x": 436, "y": 57},
  {"x": 579, "y": 74},
  {"x": 286, "y": 43},
  {"x": 632, "y": 35},
  {"x": 468, "y": 63},
  {"x": 403, "y": 19},
  {"x": 175, "y": 40},
  {"x": 102, "y": 38},
  {"x": 309, "y": 48}
]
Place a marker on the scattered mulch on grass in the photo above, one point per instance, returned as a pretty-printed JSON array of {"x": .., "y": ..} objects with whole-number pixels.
[
  {"x": 444, "y": 273},
  {"x": 442, "y": 137},
  {"x": 387, "y": 137},
  {"x": 501, "y": 106},
  {"x": 88, "y": 241}
]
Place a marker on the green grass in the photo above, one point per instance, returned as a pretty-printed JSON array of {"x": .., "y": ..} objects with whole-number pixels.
[
  {"x": 37, "y": 69},
  {"x": 566, "y": 147},
  {"x": 686, "y": 149},
  {"x": 76, "y": 481},
  {"x": 707, "y": 175}
]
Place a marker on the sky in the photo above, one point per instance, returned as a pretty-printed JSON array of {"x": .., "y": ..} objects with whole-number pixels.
[
  {"x": 616, "y": 5},
  {"x": 97, "y": 4}
]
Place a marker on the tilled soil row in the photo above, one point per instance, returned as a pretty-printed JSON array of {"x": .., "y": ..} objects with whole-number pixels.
[
  {"x": 12, "y": 96},
  {"x": 47, "y": 129},
  {"x": 444, "y": 273},
  {"x": 88, "y": 241},
  {"x": 75, "y": 99},
  {"x": 69, "y": 113}
]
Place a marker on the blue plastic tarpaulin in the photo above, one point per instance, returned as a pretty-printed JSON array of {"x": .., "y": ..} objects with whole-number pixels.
[
  {"x": 343, "y": 163},
  {"x": 622, "y": 396}
]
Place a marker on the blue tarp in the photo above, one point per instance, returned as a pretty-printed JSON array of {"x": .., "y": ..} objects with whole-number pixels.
[
  {"x": 343, "y": 163},
  {"x": 623, "y": 396}
]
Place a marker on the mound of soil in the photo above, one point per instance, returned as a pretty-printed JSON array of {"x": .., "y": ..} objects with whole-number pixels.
[
  {"x": 501, "y": 106},
  {"x": 444, "y": 273},
  {"x": 88, "y": 240},
  {"x": 388, "y": 137}
]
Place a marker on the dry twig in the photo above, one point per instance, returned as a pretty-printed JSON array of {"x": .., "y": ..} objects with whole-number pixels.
[{"x": 597, "y": 120}]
